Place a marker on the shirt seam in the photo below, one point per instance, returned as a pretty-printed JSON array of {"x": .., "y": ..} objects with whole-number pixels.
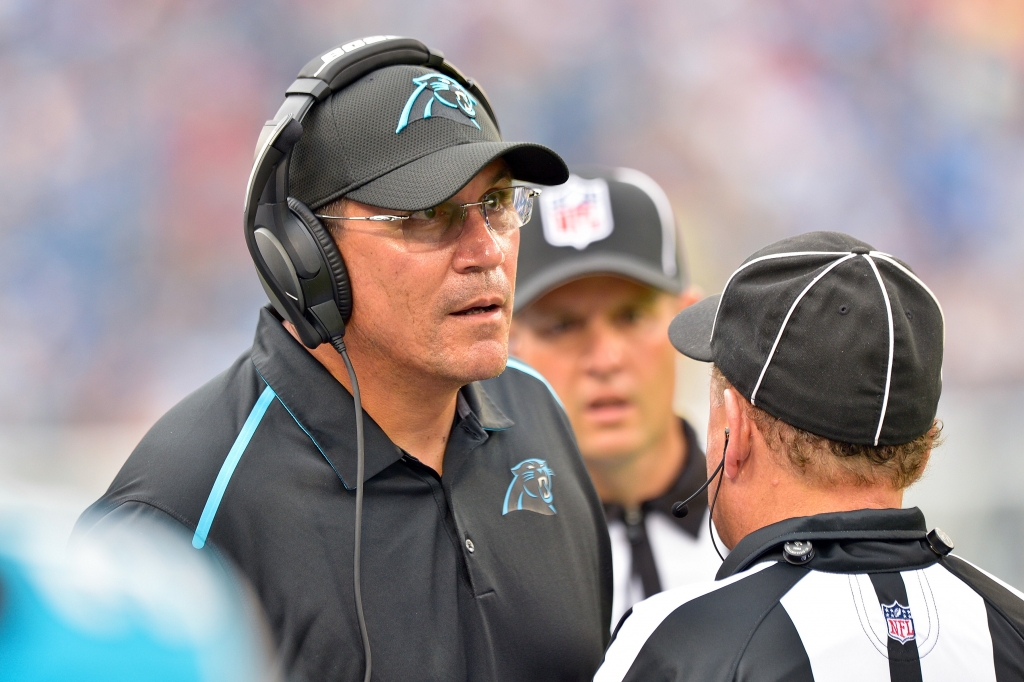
[
  {"x": 141, "y": 500},
  {"x": 304, "y": 430}
]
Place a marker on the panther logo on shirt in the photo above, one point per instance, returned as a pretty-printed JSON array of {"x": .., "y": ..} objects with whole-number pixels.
[
  {"x": 899, "y": 621},
  {"x": 454, "y": 102},
  {"x": 530, "y": 489}
]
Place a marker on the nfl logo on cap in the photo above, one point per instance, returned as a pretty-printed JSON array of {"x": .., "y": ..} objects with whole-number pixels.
[
  {"x": 899, "y": 622},
  {"x": 576, "y": 213}
]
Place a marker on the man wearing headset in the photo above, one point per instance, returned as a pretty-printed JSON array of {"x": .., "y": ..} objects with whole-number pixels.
[
  {"x": 485, "y": 552},
  {"x": 600, "y": 279}
]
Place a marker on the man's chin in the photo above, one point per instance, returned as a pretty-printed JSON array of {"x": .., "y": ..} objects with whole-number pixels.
[
  {"x": 606, "y": 447},
  {"x": 474, "y": 362}
]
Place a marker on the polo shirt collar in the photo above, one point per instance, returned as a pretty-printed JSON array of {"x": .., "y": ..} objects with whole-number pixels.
[
  {"x": 487, "y": 413},
  {"x": 325, "y": 410}
]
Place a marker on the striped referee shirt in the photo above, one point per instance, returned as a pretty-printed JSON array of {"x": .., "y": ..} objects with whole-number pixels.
[{"x": 873, "y": 602}]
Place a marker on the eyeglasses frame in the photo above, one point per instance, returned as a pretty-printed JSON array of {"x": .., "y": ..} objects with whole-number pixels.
[{"x": 387, "y": 218}]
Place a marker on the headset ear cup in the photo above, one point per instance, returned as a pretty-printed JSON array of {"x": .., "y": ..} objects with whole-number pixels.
[{"x": 336, "y": 264}]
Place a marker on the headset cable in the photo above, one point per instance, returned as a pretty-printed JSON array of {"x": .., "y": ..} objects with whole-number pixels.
[{"x": 339, "y": 345}]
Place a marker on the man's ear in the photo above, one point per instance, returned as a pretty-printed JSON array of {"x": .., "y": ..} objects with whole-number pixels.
[{"x": 740, "y": 425}]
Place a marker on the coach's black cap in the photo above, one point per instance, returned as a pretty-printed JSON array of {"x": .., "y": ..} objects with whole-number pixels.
[
  {"x": 614, "y": 221},
  {"x": 827, "y": 334},
  {"x": 405, "y": 138}
]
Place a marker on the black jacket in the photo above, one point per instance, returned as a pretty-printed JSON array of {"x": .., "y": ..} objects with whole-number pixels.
[
  {"x": 498, "y": 570},
  {"x": 874, "y": 602}
]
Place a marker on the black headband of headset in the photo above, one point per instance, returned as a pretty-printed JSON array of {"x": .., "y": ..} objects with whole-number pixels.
[{"x": 267, "y": 192}]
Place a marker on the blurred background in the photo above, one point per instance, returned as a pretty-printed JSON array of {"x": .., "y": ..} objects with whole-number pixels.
[{"x": 127, "y": 129}]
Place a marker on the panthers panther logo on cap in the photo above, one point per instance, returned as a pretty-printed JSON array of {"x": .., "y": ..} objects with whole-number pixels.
[
  {"x": 434, "y": 88},
  {"x": 530, "y": 489}
]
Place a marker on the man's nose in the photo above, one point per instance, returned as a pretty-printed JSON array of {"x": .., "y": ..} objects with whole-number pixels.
[
  {"x": 607, "y": 350},
  {"x": 478, "y": 248}
]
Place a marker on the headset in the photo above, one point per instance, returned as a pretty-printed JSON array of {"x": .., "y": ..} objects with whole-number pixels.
[{"x": 296, "y": 259}]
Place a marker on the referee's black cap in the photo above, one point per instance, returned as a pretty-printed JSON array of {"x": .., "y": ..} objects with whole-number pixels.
[
  {"x": 827, "y": 334},
  {"x": 405, "y": 138},
  {"x": 615, "y": 221}
]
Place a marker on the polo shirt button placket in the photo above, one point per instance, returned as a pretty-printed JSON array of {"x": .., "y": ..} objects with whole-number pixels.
[{"x": 470, "y": 546}]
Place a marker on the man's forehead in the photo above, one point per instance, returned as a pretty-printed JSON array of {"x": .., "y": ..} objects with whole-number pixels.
[
  {"x": 595, "y": 293},
  {"x": 493, "y": 172}
]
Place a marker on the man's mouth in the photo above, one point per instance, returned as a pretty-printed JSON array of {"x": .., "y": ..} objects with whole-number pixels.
[
  {"x": 481, "y": 305},
  {"x": 478, "y": 309},
  {"x": 604, "y": 403},
  {"x": 608, "y": 409}
]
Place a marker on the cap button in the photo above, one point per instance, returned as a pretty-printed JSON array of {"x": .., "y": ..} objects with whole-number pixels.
[
  {"x": 940, "y": 543},
  {"x": 860, "y": 250},
  {"x": 798, "y": 552}
]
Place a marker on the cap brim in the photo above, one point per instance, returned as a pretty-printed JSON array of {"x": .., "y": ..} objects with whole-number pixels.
[
  {"x": 438, "y": 176},
  {"x": 690, "y": 331},
  {"x": 589, "y": 265}
]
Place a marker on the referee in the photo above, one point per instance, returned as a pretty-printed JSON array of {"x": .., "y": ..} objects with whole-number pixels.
[
  {"x": 484, "y": 546},
  {"x": 827, "y": 371},
  {"x": 600, "y": 279}
]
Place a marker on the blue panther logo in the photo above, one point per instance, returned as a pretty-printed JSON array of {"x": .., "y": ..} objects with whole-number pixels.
[
  {"x": 530, "y": 489},
  {"x": 457, "y": 104}
]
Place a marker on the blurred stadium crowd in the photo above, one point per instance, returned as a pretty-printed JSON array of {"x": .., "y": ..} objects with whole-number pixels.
[{"x": 127, "y": 130}]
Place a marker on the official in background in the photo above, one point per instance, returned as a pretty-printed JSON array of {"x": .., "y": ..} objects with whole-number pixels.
[
  {"x": 384, "y": 223},
  {"x": 827, "y": 372},
  {"x": 600, "y": 279}
]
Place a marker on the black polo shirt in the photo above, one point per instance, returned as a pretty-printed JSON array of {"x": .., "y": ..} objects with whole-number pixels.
[{"x": 498, "y": 570}]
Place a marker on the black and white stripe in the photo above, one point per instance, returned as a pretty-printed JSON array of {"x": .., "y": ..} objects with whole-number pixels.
[{"x": 780, "y": 622}]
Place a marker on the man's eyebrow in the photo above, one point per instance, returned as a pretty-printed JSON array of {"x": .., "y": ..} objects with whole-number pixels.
[{"x": 504, "y": 173}]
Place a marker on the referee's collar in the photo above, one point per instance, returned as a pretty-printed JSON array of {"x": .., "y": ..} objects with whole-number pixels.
[
  {"x": 832, "y": 534},
  {"x": 324, "y": 408}
]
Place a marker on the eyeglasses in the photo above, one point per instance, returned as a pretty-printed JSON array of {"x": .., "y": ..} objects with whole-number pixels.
[{"x": 504, "y": 211}]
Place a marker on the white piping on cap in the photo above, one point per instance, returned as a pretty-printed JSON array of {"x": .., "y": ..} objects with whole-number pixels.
[
  {"x": 652, "y": 189},
  {"x": 758, "y": 260},
  {"x": 892, "y": 261},
  {"x": 892, "y": 344},
  {"x": 782, "y": 329}
]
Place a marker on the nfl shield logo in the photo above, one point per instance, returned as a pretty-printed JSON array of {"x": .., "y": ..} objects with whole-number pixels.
[
  {"x": 899, "y": 622},
  {"x": 577, "y": 213}
]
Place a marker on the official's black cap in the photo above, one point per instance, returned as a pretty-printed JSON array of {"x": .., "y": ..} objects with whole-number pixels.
[
  {"x": 601, "y": 221},
  {"x": 405, "y": 138},
  {"x": 827, "y": 334}
]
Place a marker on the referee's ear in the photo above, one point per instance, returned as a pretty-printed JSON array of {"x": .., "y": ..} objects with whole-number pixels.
[{"x": 740, "y": 433}]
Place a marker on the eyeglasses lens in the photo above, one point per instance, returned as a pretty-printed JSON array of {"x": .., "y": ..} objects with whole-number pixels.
[{"x": 504, "y": 210}]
